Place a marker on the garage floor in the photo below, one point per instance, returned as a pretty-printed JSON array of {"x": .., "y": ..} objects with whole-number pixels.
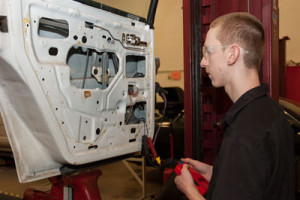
[{"x": 116, "y": 182}]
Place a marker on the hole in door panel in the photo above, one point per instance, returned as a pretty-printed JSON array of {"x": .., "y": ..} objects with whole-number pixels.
[
  {"x": 53, "y": 28},
  {"x": 135, "y": 114},
  {"x": 91, "y": 69},
  {"x": 135, "y": 66}
]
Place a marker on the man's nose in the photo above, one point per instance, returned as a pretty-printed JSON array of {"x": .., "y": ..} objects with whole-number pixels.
[{"x": 203, "y": 62}]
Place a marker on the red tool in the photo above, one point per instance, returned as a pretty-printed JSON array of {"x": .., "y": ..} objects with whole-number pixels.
[{"x": 200, "y": 182}]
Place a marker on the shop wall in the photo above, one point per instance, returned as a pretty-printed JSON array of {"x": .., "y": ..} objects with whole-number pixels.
[
  {"x": 169, "y": 42},
  {"x": 289, "y": 26}
]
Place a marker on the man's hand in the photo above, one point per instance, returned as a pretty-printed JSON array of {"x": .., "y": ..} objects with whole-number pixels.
[
  {"x": 204, "y": 169},
  {"x": 185, "y": 183}
]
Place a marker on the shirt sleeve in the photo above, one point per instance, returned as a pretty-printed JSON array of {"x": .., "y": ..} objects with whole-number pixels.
[{"x": 242, "y": 171}]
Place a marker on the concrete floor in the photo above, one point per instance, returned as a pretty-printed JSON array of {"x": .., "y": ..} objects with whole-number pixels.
[{"x": 116, "y": 182}]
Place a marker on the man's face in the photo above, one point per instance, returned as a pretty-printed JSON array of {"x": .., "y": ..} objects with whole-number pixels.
[{"x": 214, "y": 59}]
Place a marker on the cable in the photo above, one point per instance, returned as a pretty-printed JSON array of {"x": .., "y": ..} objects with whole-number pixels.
[
  {"x": 164, "y": 113},
  {"x": 151, "y": 162},
  {"x": 131, "y": 108}
]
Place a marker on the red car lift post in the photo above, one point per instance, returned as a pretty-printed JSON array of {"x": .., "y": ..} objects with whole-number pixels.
[{"x": 78, "y": 186}]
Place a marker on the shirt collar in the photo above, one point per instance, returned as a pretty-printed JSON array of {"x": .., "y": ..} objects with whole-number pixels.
[{"x": 244, "y": 100}]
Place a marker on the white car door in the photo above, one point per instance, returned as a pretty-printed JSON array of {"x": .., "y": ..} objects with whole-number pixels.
[{"x": 76, "y": 83}]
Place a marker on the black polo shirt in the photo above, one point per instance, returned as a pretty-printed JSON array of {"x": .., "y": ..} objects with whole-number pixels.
[{"x": 256, "y": 159}]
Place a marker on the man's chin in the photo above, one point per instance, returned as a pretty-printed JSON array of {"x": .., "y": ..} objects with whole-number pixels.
[{"x": 215, "y": 85}]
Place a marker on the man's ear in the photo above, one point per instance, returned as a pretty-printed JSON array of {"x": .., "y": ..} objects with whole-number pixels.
[{"x": 234, "y": 54}]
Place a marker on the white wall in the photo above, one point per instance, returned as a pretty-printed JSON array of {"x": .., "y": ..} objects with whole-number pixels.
[
  {"x": 168, "y": 43},
  {"x": 289, "y": 18}
]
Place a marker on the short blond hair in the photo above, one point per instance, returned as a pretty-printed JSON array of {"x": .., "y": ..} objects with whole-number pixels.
[{"x": 245, "y": 30}]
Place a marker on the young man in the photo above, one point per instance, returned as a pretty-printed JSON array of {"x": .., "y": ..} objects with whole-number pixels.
[{"x": 256, "y": 159}]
